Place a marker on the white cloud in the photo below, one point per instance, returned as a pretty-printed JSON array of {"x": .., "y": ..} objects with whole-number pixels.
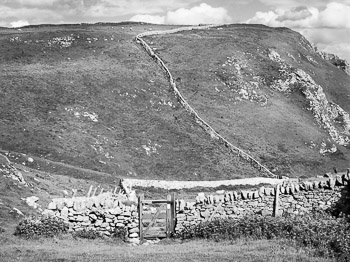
[
  {"x": 328, "y": 28},
  {"x": 153, "y": 19},
  {"x": 19, "y": 23},
  {"x": 77, "y": 11},
  {"x": 202, "y": 14},
  {"x": 336, "y": 15}
]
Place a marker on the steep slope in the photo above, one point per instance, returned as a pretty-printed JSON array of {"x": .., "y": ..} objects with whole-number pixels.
[
  {"x": 267, "y": 91},
  {"x": 88, "y": 96}
]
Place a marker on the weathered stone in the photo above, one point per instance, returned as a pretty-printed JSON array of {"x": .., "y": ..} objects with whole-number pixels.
[
  {"x": 133, "y": 235},
  {"x": 98, "y": 222},
  {"x": 48, "y": 213},
  {"x": 181, "y": 216},
  {"x": 331, "y": 183},
  {"x": 52, "y": 206},
  {"x": 190, "y": 205},
  {"x": 68, "y": 202},
  {"x": 134, "y": 230},
  {"x": 64, "y": 212},
  {"x": 200, "y": 198},
  {"x": 59, "y": 204},
  {"x": 256, "y": 194},
  {"x": 89, "y": 203},
  {"x": 92, "y": 216},
  {"x": 282, "y": 189},
  {"x": 218, "y": 198},
  {"x": 105, "y": 225},
  {"x": 182, "y": 205},
  {"x": 338, "y": 180},
  {"x": 265, "y": 212},
  {"x": 261, "y": 191},
  {"x": 205, "y": 214}
]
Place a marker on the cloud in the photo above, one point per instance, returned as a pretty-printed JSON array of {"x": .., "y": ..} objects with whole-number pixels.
[
  {"x": 152, "y": 19},
  {"x": 77, "y": 11},
  {"x": 201, "y": 14},
  {"x": 19, "y": 23},
  {"x": 335, "y": 15},
  {"x": 327, "y": 27}
]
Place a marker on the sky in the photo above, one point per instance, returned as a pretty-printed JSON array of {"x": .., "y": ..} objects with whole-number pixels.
[{"x": 325, "y": 23}]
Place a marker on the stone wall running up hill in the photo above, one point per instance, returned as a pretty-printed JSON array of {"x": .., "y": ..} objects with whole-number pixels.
[{"x": 210, "y": 130}]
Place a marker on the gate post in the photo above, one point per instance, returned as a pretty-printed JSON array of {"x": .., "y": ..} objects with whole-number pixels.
[
  {"x": 168, "y": 216},
  {"x": 276, "y": 204},
  {"x": 172, "y": 213},
  {"x": 140, "y": 210}
]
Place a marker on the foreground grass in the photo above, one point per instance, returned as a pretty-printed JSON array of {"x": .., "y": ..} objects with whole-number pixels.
[{"x": 68, "y": 249}]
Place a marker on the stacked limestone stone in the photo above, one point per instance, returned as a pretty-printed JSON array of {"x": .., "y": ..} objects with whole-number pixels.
[
  {"x": 293, "y": 198},
  {"x": 103, "y": 213}
]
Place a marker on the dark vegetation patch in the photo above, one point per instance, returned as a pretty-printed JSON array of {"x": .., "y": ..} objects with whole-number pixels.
[
  {"x": 328, "y": 236},
  {"x": 35, "y": 227}
]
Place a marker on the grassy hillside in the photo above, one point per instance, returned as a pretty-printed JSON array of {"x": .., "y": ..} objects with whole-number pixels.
[
  {"x": 88, "y": 96},
  {"x": 239, "y": 79}
]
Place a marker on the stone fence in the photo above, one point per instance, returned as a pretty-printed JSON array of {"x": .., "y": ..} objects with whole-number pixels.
[
  {"x": 289, "y": 197},
  {"x": 210, "y": 130},
  {"x": 103, "y": 213},
  {"x": 109, "y": 211}
]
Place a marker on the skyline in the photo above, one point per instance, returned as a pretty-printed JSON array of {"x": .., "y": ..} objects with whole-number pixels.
[{"x": 324, "y": 23}]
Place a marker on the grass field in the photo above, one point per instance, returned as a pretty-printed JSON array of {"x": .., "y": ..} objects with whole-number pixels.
[
  {"x": 66, "y": 249},
  {"x": 88, "y": 96}
]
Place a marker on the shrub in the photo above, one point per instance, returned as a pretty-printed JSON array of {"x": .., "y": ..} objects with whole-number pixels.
[
  {"x": 88, "y": 234},
  {"x": 327, "y": 235},
  {"x": 43, "y": 226},
  {"x": 120, "y": 233}
]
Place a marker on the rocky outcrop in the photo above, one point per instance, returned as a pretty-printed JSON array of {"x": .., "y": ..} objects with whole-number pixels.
[
  {"x": 337, "y": 61},
  {"x": 328, "y": 115},
  {"x": 8, "y": 170}
]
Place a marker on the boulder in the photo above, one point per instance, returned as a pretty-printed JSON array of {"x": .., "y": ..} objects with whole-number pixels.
[
  {"x": 52, "y": 206},
  {"x": 31, "y": 201},
  {"x": 200, "y": 198}
]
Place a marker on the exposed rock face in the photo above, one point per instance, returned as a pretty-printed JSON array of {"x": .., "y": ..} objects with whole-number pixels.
[
  {"x": 9, "y": 171},
  {"x": 328, "y": 115},
  {"x": 337, "y": 61}
]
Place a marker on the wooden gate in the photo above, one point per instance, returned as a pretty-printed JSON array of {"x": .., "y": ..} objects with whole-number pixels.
[{"x": 156, "y": 217}]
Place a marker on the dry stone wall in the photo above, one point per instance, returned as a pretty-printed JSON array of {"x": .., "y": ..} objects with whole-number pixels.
[
  {"x": 107, "y": 212},
  {"x": 295, "y": 198},
  {"x": 103, "y": 213},
  {"x": 255, "y": 163}
]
